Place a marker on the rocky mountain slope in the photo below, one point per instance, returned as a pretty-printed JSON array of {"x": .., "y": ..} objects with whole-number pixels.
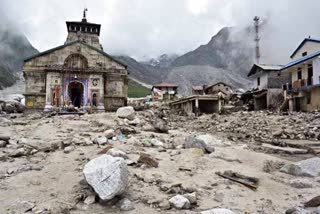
[
  {"x": 227, "y": 57},
  {"x": 14, "y": 47}
]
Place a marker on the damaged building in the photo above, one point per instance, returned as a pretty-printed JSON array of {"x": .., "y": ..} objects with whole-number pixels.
[
  {"x": 78, "y": 73},
  {"x": 303, "y": 91},
  {"x": 268, "y": 86}
]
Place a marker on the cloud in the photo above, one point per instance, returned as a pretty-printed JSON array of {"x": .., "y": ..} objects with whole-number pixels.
[{"x": 149, "y": 28}]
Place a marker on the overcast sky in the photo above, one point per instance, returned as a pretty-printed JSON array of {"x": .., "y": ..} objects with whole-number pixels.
[{"x": 149, "y": 28}]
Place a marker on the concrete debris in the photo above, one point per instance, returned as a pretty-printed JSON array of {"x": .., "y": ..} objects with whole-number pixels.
[
  {"x": 126, "y": 112},
  {"x": 90, "y": 200},
  {"x": 179, "y": 202},
  {"x": 309, "y": 167},
  {"x": 107, "y": 175},
  {"x": 300, "y": 184},
  {"x": 270, "y": 166},
  {"x": 218, "y": 211}
]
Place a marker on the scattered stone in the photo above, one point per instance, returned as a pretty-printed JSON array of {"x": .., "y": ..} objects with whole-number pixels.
[
  {"x": 156, "y": 143},
  {"x": 192, "y": 197},
  {"x": 126, "y": 205},
  {"x": 165, "y": 205},
  {"x": 126, "y": 112},
  {"x": 148, "y": 160},
  {"x": 18, "y": 153},
  {"x": 101, "y": 140},
  {"x": 3, "y": 143},
  {"x": 297, "y": 210},
  {"x": 107, "y": 175},
  {"x": 271, "y": 166},
  {"x": 309, "y": 167},
  {"x": 109, "y": 134},
  {"x": 117, "y": 153},
  {"x": 218, "y": 211},
  {"x": 134, "y": 122},
  {"x": 68, "y": 149},
  {"x": 300, "y": 184},
  {"x": 201, "y": 142},
  {"x": 90, "y": 200},
  {"x": 179, "y": 202},
  {"x": 5, "y": 138},
  {"x": 160, "y": 125},
  {"x": 314, "y": 202}
]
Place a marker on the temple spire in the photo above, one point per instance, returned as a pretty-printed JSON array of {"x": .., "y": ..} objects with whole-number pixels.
[{"x": 84, "y": 19}]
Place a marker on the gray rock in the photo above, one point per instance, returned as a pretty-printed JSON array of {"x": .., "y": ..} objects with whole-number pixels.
[
  {"x": 160, "y": 125},
  {"x": 179, "y": 202},
  {"x": 126, "y": 112},
  {"x": 218, "y": 211},
  {"x": 134, "y": 122},
  {"x": 68, "y": 149},
  {"x": 200, "y": 142},
  {"x": 309, "y": 167},
  {"x": 20, "y": 108},
  {"x": 297, "y": 210},
  {"x": 18, "y": 153},
  {"x": 126, "y": 205},
  {"x": 117, "y": 153},
  {"x": 3, "y": 143},
  {"x": 109, "y": 133},
  {"x": 9, "y": 108},
  {"x": 107, "y": 175},
  {"x": 300, "y": 184},
  {"x": 192, "y": 197},
  {"x": 165, "y": 205},
  {"x": 101, "y": 140},
  {"x": 156, "y": 143},
  {"x": 89, "y": 200}
]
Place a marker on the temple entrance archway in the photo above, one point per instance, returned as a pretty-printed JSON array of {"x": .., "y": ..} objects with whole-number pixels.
[{"x": 75, "y": 92}]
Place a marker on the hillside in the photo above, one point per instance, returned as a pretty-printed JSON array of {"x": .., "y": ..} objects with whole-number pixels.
[
  {"x": 136, "y": 90},
  {"x": 14, "y": 47}
]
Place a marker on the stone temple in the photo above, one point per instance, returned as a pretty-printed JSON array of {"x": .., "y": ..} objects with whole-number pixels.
[{"x": 78, "y": 73}]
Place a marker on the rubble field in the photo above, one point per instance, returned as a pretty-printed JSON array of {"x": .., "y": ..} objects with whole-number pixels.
[{"x": 155, "y": 161}]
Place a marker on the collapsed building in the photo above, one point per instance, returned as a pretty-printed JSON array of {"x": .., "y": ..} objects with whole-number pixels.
[{"x": 78, "y": 73}]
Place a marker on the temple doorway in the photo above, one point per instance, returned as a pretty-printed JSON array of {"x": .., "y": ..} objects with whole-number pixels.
[{"x": 75, "y": 91}]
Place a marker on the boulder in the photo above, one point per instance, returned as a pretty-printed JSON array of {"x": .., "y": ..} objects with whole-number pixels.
[
  {"x": 309, "y": 167},
  {"x": 109, "y": 133},
  {"x": 18, "y": 153},
  {"x": 148, "y": 160},
  {"x": 314, "y": 202},
  {"x": 160, "y": 125},
  {"x": 179, "y": 202},
  {"x": 192, "y": 197},
  {"x": 126, "y": 112},
  {"x": 101, "y": 140},
  {"x": 9, "y": 108},
  {"x": 218, "y": 211},
  {"x": 300, "y": 184},
  {"x": 107, "y": 175},
  {"x": 156, "y": 143},
  {"x": 134, "y": 122},
  {"x": 203, "y": 142},
  {"x": 20, "y": 108},
  {"x": 68, "y": 149}
]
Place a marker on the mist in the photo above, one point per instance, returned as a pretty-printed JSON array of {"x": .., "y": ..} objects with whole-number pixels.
[{"x": 145, "y": 29}]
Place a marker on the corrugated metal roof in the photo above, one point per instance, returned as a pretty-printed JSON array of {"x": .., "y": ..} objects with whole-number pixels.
[
  {"x": 301, "y": 60},
  {"x": 164, "y": 84}
]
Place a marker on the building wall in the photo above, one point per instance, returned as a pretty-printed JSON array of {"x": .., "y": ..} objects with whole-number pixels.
[
  {"x": 310, "y": 47},
  {"x": 277, "y": 79},
  {"x": 263, "y": 80},
  {"x": 109, "y": 76},
  {"x": 90, "y": 39},
  {"x": 316, "y": 71}
]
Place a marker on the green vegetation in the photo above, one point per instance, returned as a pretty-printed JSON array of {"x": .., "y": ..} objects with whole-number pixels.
[{"x": 136, "y": 90}]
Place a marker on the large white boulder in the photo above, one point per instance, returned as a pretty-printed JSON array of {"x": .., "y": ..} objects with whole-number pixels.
[
  {"x": 218, "y": 211},
  {"x": 204, "y": 142},
  {"x": 309, "y": 167},
  {"x": 107, "y": 175},
  {"x": 126, "y": 112}
]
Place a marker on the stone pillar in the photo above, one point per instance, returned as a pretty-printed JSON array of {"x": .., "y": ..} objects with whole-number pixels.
[{"x": 197, "y": 106}]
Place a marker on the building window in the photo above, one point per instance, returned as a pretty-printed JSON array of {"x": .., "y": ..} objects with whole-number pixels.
[
  {"x": 284, "y": 87},
  {"x": 299, "y": 74},
  {"x": 308, "y": 97},
  {"x": 304, "y": 53},
  {"x": 258, "y": 81}
]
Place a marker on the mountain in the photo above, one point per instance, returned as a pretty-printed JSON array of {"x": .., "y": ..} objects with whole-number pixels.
[
  {"x": 227, "y": 57},
  {"x": 14, "y": 47},
  {"x": 163, "y": 61}
]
